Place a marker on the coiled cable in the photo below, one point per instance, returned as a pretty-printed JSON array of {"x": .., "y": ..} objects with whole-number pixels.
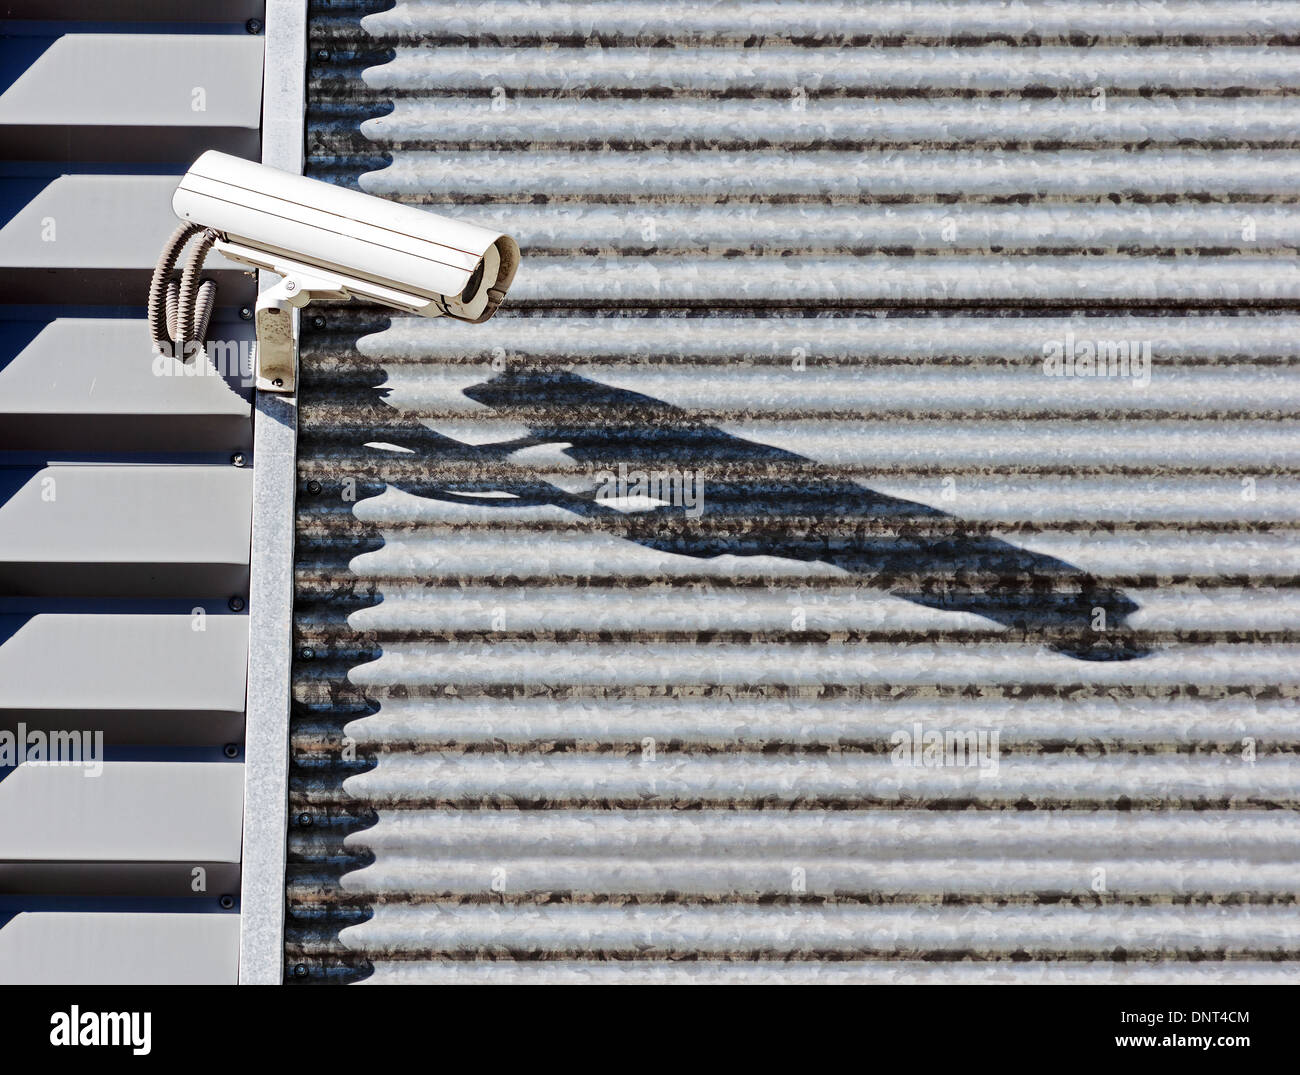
[{"x": 180, "y": 310}]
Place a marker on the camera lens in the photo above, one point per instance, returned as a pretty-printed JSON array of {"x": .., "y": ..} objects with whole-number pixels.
[{"x": 475, "y": 282}]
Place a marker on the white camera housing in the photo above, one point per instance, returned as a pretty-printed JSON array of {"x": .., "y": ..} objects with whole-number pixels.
[{"x": 330, "y": 242}]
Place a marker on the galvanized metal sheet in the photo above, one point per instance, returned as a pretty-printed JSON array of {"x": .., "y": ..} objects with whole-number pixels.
[{"x": 625, "y": 622}]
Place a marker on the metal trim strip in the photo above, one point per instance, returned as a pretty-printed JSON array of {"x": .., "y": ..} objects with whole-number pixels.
[{"x": 275, "y": 433}]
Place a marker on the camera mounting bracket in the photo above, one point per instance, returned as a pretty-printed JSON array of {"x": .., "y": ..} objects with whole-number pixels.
[{"x": 276, "y": 315}]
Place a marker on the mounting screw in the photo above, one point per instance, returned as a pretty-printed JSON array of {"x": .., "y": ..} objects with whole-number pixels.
[
  {"x": 237, "y": 459},
  {"x": 314, "y": 487},
  {"x": 291, "y": 285},
  {"x": 304, "y": 820},
  {"x": 308, "y": 653},
  {"x": 231, "y": 750},
  {"x": 253, "y": 26},
  {"x": 322, "y": 55},
  {"x": 278, "y": 383},
  {"x": 300, "y": 971},
  {"x": 318, "y": 322},
  {"x": 236, "y": 604},
  {"x": 246, "y": 312},
  {"x": 226, "y": 902}
]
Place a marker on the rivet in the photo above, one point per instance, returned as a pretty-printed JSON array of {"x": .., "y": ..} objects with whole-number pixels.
[
  {"x": 231, "y": 750},
  {"x": 227, "y": 902},
  {"x": 322, "y": 54},
  {"x": 236, "y": 604},
  {"x": 237, "y": 459},
  {"x": 253, "y": 26},
  {"x": 304, "y": 820},
  {"x": 308, "y": 653},
  {"x": 278, "y": 383},
  {"x": 300, "y": 971}
]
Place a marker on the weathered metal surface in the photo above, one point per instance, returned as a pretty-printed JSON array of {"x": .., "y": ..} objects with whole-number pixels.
[{"x": 813, "y": 263}]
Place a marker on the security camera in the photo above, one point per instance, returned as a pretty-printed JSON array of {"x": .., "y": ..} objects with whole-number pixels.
[{"x": 325, "y": 242}]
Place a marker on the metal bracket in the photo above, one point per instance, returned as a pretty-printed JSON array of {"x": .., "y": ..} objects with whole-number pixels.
[
  {"x": 277, "y": 325},
  {"x": 278, "y": 306}
]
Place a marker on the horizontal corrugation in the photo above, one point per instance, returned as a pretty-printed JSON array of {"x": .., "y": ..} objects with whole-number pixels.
[
  {"x": 1082, "y": 506},
  {"x": 904, "y": 175},
  {"x": 783, "y": 229},
  {"x": 1094, "y": 721},
  {"x": 884, "y": 446},
  {"x": 922, "y": 280},
  {"x": 436, "y": 394},
  {"x": 827, "y": 972},
  {"x": 811, "y": 260},
  {"x": 774, "y": 22},
  {"x": 843, "y": 71},
  {"x": 729, "y": 340},
  {"x": 528, "y": 122},
  {"x": 842, "y": 931}
]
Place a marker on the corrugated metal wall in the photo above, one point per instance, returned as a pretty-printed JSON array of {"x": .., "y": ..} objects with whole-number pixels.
[
  {"x": 125, "y": 500},
  {"x": 812, "y": 262}
]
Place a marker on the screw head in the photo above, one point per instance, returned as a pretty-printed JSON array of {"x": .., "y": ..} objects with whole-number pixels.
[
  {"x": 227, "y": 902},
  {"x": 314, "y": 487},
  {"x": 300, "y": 971},
  {"x": 246, "y": 312},
  {"x": 304, "y": 820},
  {"x": 231, "y": 750},
  {"x": 278, "y": 383},
  {"x": 318, "y": 322},
  {"x": 308, "y": 653},
  {"x": 253, "y": 26},
  {"x": 322, "y": 54},
  {"x": 236, "y": 604},
  {"x": 291, "y": 285},
  {"x": 237, "y": 459}
]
